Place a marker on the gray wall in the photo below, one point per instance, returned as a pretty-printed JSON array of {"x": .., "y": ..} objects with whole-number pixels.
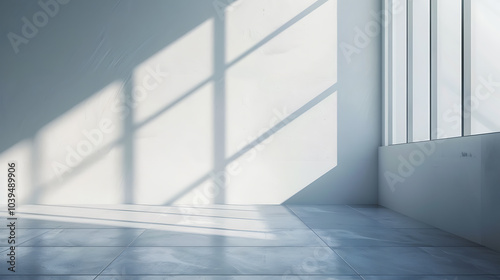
[
  {"x": 453, "y": 184},
  {"x": 164, "y": 102}
]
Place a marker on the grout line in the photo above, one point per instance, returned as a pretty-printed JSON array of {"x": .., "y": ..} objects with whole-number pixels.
[
  {"x": 125, "y": 248},
  {"x": 308, "y": 227},
  {"x": 232, "y": 274},
  {"x": 268, "y": 274},
  {"x": 346, "y": 262},
  {"x": 259, "y": 246},
  {"x": 152, "y": 223},
  {"x": 327, "y": 245},
  {"x": 38, "y": 235},
  {"x": 218, "y": 246}
]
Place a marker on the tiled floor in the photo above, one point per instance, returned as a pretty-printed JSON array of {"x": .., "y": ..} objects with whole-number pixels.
[{"x": 129, "y": 242}]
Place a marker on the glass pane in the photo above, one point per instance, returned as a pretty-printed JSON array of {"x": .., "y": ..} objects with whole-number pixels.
[
  {"x": 399, "y": 74},
  {"x": 485, "y": 67},
  {"x": 449, "y": 72},
  {"x": 420, "y": 70}
]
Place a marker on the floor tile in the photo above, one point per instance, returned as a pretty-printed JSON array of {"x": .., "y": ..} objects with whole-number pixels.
[
  {"x": 240, "y": 210},
  {"x": 45, "y": 216},
  {"x": 210, "y": 212},
  {"x": 389, "y": 218},
  {"x": 30, "y": 223},
  {"x": 85, "y": 237},
  {"x": 443, "y": 277},
  {"x": 234, "y": 277},
  {"x": 239, "y": 242},
  {"x": 228, "y": 260},
  {"x": 402, "y": 261},
  {"x": 362, "y": 236},
  {"x": 435, "y": 237},
  {"x": 22, "y": 235},
  {"x": 255, "y": 212},
  {"x": 46, "y": 277},
  {"x": 53, "y": 223},
  {"x": 267, "y": 223},
  {"x": 285, "y": 237},
  {"x": 62, "y": 260},
  {"x": 313, "y": 210},
  {"x": 344, "y": 220},
  {"x": 488, "y": 261},
  {"x": 121, "y": 207}
]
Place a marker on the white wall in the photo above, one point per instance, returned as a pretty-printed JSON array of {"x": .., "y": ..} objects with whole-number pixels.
[
  {"x": 453, "y": 184},
  {"x": 354, "y": 179},
  {"x": 189, "y": 101}
]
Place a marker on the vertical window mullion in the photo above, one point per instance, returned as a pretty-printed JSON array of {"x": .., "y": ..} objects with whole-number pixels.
[
  {"x": 433, "y": 69},
  {"x": 409, "y": 72},
  {"x": 387, "y": 58},
  {"x": 466, "y": 67}
]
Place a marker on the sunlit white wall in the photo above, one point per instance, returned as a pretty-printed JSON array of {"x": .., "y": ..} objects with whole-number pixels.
[
  {"x": 173, "y": 126},
  {"x": 225, "y": 103},
  {"x": 145, "y": 131},
  {"x": 271, "y": 69},
  {"x": 84, "y": 98}
]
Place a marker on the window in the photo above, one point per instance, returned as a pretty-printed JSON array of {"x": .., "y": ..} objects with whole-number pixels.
[{"x": 442, "y": 69}]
